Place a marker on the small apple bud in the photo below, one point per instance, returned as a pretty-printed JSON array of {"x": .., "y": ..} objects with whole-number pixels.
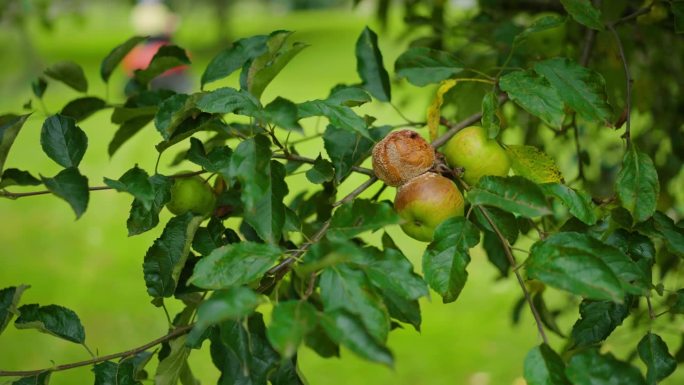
[{"x": 400, "y": 156}]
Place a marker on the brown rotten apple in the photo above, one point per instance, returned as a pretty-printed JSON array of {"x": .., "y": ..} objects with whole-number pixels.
[
  {"x": 400, "y": 156},
  {"x": 426, "y": 201},
  {"x": 478, "y": 155}
]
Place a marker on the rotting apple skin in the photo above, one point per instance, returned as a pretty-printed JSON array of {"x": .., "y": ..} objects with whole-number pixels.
[
  {"x": 476, "y": 154},
  {"x": 400, "y": 156},
  {"x": 425, "y": 202}
]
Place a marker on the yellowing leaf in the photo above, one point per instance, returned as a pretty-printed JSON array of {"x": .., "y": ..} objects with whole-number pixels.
[
  {"x": 434, "y": 109},
  {"x": 534, "y": 164}
]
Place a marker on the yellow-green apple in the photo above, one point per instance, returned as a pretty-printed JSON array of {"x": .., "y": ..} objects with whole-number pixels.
[
  {"x": 476, "y": 154},
  {"x": 426, "y": 201}
]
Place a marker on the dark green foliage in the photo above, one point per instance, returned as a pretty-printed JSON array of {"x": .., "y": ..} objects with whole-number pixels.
[{"x": 583, "y": 233}]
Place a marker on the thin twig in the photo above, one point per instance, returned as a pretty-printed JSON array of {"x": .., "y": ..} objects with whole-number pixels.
[
  {"x": 356, "y": 191},
  {"x": 634, "y": 15},
  {"x": 627, "y": 135},
  {"x": 514, "y": 267},
  {"x": 11, "y": 195},
  {"x": 303, "y": 159},
  {"x": 456, "y": 127},
  {"x": 651, "y": 313},
  {"x": 171, "y": 335}
]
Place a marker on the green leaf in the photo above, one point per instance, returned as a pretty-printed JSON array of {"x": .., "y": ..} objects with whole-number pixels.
[
  {"x": 128, "y": 371},
  {"x": 339, "y": 116},
  {"x": 662, "y": 226},
  {"x": 232, "y": 304},
  {"x": 584, "y": 13},
  {"x": 116, "y": 55},
  {"x": 350, "y": 96},
  {"x": 291, "y": 322},
  {"x": 422, "y": 66},
  {"x": 228, "y": 100},
  {"x": 81, "y": 108},
  {"x": 578, "y": 202},
  {"x": 592, "y": 368},
  {"x": 135, "y": 182},
  {"x": 677, "y": 306},
  {"x": 71, "y": 186},
  {"x": 348, "y": 330},
  {"x": 16, "y": 177},
  {"x": 585, "y": 266},
  {"x": 370, "y": 67},
  {"x": 514, "y": 194},
  {"x": 535, "y": 95},
  {"x": 447, "y": 256},
  {"x": 503, "y": 220},
  {"x": 55, "y": 320},
  {"x": 343, "y": 288},
  {"x": 390, "y": 271},
  {"x": 9, "y": 129},
  {"x": 361, "y": 215},
  {"x": 242, "y": 353},
  {"x": 321, "y": 171},
  {"x": 637, "y": 185},
  {"x": 677, "y": 8},
  {"x": 166, "y": 257},
  {"x": 287, "y": 374},
  {"x": 543, "y": 23},
  {"x": 142, "y": 219},
  {"x": 234, "y": 57},
  {"x": 495, "y": 252},
  {"x": 543, "y": 366},
  {"x": 68, "y": 73},
  {"x": 490, "y": 120},
  {"x": 283, "y": 113},
  {"x": 581, "y": 89},
  {"x": 171, "y": 113},
  {"x": 211, "y": 237},
  {"x": 347, "y": 149},
  {"x": 126, "y": 131},
  {"x": 166, "y": 58},
  {"x": 63, "y": 141},
  {"x": 9, "y": 299},
  {"x": 39, "y": 379},
  {"x": 170, "y": 368},
  {"x": 261, "y": 70},
  {"x": 263, "y": 187},
  {"x": 217, "y": 160},
  {"x": 597, "y": 322},
  {"x": 533, "y": 164},
  {"x": 234, "y": 265},
  {"x": 39, "y": 86},
  {"x": 653, "y": 352}
]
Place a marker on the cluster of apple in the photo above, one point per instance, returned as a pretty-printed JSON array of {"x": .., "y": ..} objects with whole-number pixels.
[{"x": 425, "y": 199}]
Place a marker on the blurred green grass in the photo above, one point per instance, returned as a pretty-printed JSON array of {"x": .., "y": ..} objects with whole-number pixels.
[{"x": 92, "y": 267}]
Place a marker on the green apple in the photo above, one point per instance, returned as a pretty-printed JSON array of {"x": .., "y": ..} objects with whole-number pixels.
[
  {"x": 478, "y": 155},
  {"x": 426, "y": 201},
  {"x": 191, "y": 194}
]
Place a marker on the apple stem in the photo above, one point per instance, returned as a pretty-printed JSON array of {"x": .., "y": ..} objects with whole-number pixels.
[{"x": 514, "y": 267}]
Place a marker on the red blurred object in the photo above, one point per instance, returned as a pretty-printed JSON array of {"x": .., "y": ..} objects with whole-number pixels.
[{"x": 141, "y": 56}]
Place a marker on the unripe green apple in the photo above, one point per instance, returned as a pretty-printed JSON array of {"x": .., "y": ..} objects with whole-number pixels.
[
  {"x": 191, "y": 194},
  {"x": 478, "y": 155},
  {"x": 426, "y": 201}
]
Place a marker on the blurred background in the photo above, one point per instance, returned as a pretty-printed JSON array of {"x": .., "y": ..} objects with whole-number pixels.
[{"x": 93, "y": 268}]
